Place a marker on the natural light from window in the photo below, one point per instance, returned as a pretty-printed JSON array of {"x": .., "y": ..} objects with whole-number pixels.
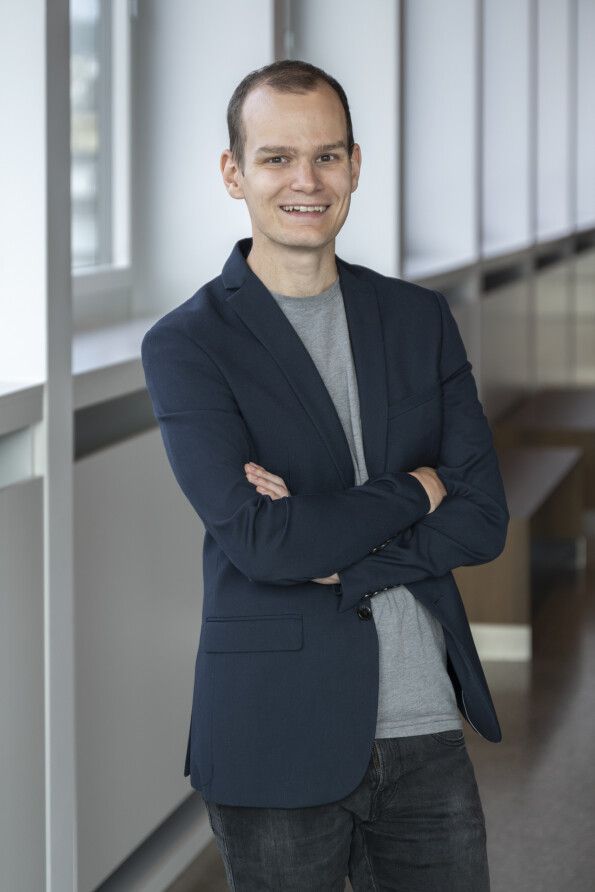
[{"x": 90, "y": 133}]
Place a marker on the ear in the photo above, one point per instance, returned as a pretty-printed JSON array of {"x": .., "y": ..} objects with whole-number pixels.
[
  {"x": 232, "y": 175},
  {"x": 356, "y": 163}
]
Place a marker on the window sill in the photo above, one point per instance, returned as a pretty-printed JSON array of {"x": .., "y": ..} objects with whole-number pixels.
[
  {"x": 106, "y": 361},
  {"x": 105, "y": 365},
  {"x": 21, "y": 405}
]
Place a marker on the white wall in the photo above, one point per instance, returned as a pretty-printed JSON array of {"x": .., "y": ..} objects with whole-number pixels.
[
  {"x": 188, "y": 58},
  {"x": 22, "y": 191},
  {"x": 555, "y": 161},
  {"x": 507, "y": 113},
  {"x": 138, "y": 583},
  {"x": 440, "y": 123},
  {"x": 22, "y": 773},
  {"x": 585, "y": 115},
  {"x": 358, "y": 48}
]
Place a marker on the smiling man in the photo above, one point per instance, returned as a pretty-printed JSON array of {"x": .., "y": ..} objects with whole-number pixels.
[
  {"x": 323, "y": 421},
  {"x": 296, "y": 168}
]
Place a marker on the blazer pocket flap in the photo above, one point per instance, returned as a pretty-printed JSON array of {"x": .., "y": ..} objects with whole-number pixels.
[
  {"x": 252, "y": 633},
  {"x": 411, "y": 402}
]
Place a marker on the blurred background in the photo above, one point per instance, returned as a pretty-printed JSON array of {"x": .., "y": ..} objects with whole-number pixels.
[{"x": 476, "y": 120}]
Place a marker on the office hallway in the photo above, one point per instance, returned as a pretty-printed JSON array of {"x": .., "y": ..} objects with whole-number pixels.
[{"x": 538, "y": 785}]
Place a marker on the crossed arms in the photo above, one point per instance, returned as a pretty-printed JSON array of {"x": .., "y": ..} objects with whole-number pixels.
[
  {"x": 271, "y": 485},
  {"x": 309, "y": 536}
]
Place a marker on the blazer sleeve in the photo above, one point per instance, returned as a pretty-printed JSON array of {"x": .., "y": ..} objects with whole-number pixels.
[
  {"x": 469, "y": 526},
  {"x": 284, "y": 541}
]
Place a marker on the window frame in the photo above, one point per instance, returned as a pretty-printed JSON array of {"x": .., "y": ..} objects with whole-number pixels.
[{"x": 102, "y": 293}]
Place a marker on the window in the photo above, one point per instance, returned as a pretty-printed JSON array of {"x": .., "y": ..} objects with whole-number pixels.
[
  {"x": 100, "y": 110},
  {"x": 90, "y": 76}
]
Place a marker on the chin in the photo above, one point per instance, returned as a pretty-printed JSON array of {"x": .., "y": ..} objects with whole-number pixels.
[
  {"x": 308, "y": 239},
  {"x": 309, "y": 244}
]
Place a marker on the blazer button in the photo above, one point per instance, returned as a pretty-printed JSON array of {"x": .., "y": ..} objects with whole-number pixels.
[{"x": 364, "y": 612}]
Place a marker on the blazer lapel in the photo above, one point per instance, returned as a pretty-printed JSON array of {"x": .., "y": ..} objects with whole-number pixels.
[
  {"x": 255, "y": 306},
  {"x": 367, "y": 344}
]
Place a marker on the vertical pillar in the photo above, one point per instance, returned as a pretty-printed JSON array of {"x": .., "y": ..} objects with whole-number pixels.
[{"x": 57, "y": 452}]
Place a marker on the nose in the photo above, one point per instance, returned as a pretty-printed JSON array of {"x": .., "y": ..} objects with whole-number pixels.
[{"x": 306, "y": 177}]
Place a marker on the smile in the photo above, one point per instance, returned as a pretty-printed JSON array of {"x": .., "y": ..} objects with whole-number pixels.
[{"x": 304, "y": 209}]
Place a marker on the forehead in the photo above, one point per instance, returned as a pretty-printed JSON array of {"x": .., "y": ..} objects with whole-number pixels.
[{"x": 273, "y": 117}]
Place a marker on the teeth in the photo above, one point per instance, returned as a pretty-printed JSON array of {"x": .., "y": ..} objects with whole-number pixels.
[{"x": 303, "y": 209}]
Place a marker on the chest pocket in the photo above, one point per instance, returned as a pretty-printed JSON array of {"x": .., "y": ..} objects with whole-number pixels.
[
  {"x": 413, "y": 401},
  {"x": 414, "y": 430}
]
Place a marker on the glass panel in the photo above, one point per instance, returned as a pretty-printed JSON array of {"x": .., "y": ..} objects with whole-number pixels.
[
  {"x": 439, "y": 136},
  {"x": 89, "y": 134}
]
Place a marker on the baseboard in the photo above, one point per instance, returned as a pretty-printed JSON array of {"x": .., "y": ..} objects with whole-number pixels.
[
  {"x": 160, "y": 860},
  {"x": 502, "y": 642}
]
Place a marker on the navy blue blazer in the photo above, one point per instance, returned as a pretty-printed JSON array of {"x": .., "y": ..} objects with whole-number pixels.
[{"x": 286, "y": 684}]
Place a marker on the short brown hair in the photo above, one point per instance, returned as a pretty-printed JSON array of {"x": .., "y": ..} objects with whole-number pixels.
[{"x": 287, "y": 76}]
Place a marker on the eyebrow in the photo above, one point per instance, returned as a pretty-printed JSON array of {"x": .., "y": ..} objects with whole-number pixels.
[{"x": 291, "y": 150}]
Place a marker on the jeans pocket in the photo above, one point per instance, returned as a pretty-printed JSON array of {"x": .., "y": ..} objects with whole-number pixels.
[{"x": 454, "y": 737}]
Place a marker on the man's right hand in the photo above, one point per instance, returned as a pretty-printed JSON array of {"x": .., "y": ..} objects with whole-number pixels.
[{"x": 433, "y": 485}]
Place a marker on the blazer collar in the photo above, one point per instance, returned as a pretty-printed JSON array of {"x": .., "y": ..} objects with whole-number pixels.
[{"x": 254, "y": 304}]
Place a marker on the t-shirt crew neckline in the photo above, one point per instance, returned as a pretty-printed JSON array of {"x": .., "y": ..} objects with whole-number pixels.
[{"x": 311, "y": 298}]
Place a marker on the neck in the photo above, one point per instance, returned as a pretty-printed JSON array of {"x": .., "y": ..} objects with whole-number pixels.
[{"x": 294, "y": 272}]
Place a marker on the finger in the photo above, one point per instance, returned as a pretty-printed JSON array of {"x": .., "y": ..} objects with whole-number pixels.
[
  {"x": 271, "y": 493},
  {"x": 259, "y": 471},
  {"x": 263, "y": 474},
  {"x": 259, "y": 480},
  {"x": 272, "y": 489},
  {"x": 270, "y": 481},
  {"x": 268, "y": 488}
]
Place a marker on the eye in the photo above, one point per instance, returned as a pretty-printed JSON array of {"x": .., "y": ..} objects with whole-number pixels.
[
  {"x": 277, "y": 159},
  {"x": 327, "y": 157}
]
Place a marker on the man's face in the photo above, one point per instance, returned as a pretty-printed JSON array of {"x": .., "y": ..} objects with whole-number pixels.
[{"x": 298, "y": 177}]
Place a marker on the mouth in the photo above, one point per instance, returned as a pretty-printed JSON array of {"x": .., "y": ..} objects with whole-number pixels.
[{"x": 304, "y": 208}]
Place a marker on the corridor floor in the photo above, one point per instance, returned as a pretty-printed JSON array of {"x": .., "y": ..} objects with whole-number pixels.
[{"x": 538, "y": 785}]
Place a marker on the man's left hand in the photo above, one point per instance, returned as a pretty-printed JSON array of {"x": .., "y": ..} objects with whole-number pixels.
[{"x": 329, "y": 580}]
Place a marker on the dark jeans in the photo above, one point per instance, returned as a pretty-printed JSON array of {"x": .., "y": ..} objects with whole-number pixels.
[{"x": 414, "y": 824}]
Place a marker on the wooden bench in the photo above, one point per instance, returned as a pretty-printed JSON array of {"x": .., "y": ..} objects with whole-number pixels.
[
  {"x": 556, "y": 417},
  {"x": 544, "y": 491}
]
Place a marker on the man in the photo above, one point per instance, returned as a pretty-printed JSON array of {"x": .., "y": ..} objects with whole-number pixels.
[{"x": 323, "y": 421}]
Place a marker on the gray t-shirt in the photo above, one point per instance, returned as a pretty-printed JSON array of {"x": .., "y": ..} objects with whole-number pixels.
[{"x": 415, "y": 692}]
